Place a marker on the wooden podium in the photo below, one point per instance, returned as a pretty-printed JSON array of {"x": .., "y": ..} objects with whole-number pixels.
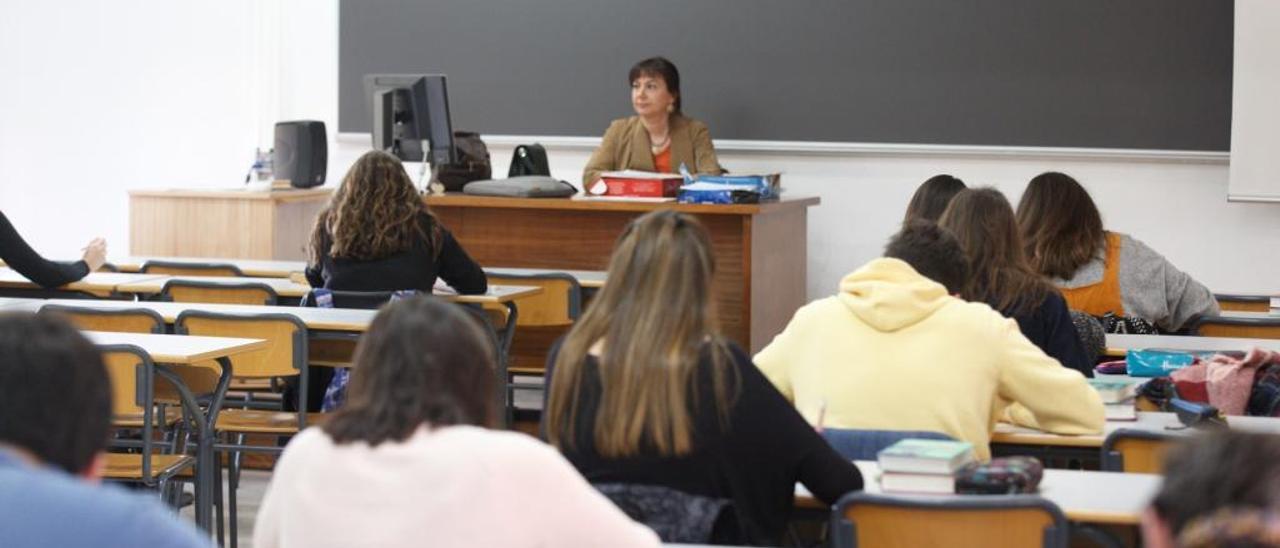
[
  {"x": 232, "y": 224},
  {"x": 760, "y": 249}
]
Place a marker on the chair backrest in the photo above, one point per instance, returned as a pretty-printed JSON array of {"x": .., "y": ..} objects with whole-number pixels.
[
  {"x": 365, "y": 300},
  {"x": 121, "y": 320},
  {"x": 182, "y": 268},
  {"x": 855, "y": 444},
  {"x": 192, "y": 291},
  {"x": 132, "y": 376},
  {"x": 1244, "y": 303},
  {"x": 1245, "y": 328},
  {"x": 866, "y": 520},
  {"x": 284, "y": 356},
  {"x": 559, "y": 304},
  {"x": 1135, "y": 451}
]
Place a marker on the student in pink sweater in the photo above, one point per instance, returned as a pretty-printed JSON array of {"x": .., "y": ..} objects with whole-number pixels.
[{"x": 408, "y": 461}]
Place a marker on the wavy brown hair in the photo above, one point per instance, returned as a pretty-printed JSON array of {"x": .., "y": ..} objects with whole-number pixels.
[
  {"x": 982, "y": 221},
  {"x": 1060, "y": 225},
  {"x": 653, "y": 320},
  {"x": 374, "y": 213},
  {"x": 422, "y": 362}
]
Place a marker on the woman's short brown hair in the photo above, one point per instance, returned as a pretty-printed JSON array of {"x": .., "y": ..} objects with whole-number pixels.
[
  {"x": 1060, "y": 225},
  {"x": 660, "y": 67},
  {"x": 982, "y": 221},
  {"x": 422, "y": 362}
]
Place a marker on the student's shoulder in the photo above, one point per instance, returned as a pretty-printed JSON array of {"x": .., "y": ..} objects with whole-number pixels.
[
  {"x": 503, "y": 450},
  {"x": 973, "y": 318}
]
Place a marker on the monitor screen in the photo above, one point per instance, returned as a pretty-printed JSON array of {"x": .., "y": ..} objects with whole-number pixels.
[{"x": 410, "y": 112}]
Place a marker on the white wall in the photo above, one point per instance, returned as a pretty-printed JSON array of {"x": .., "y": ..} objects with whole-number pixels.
[
  {"x": 1255, "y": 112},
  {"x": 225, "y": 72}
]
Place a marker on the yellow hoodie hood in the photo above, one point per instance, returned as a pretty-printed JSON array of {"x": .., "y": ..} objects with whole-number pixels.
[{"x": 888, "y": 295}]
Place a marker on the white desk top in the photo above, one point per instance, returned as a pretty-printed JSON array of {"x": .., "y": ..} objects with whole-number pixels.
[
  {"x": 1117, "y": 344},
  {"x": 179, "y": 349},
  {"x": 1085, "y": 496},
  {"x": 250, "y": 267},
  {"x": 283, "y": 287},
  {"x": 334, "y": 319},
  {"x": 18, "y": 303},
  {"x": 1240, "y": 314},
  {"x": 1155, "y": 422},
  {"x": 95, "y": 281}
]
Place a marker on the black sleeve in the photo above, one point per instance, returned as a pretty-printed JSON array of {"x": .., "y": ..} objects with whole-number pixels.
[
  {"x": 778, "y": 426},
  {"x": 1061, "y": 340},
  {"x": 20, "y": 257},
  {"x": 457, "y": 269}
]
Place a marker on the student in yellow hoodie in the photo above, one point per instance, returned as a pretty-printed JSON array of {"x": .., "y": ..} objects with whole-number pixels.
[{"x": 895, "y": 350}]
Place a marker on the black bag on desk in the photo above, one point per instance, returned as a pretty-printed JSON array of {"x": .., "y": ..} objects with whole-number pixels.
[
  {"x": 471, "y": 162},
  {"x": 529, "y": 160}
]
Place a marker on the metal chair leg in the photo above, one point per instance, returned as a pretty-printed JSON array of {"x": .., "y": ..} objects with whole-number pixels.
[
  {"x": 233, "y": 483},
  {"x": 217, "y": 497}
]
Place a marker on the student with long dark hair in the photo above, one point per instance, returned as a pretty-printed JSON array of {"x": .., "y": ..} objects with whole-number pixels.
[
  {"x": 378, "y": 235},
  {"x": 932, "y": 197},
  {"x": 408, "y": 461},
  {"x": 646, "y": 391},
  {"x": 982, "y": 221},
  {"x": 1102, "y": 271}
]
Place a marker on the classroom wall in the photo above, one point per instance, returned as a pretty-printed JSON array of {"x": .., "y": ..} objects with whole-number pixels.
[{"x": 131, "y": 72}]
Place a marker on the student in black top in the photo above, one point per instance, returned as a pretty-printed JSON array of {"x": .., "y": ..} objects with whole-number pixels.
[
  {"x": 378, "y": 235},
  {"x": 644, "y": 390},
  {"x": 983, "y": 222},
  {"x": 47, "y": 274}
]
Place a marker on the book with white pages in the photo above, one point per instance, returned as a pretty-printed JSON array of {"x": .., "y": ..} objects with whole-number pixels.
[
  {"x": 921, "y": 456},
  {"x": 927, "y": 484}
]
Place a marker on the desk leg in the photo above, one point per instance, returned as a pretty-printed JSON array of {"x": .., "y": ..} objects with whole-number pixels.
[
  {"x": 205, "y": 426},
  {"x": 505, "y": 394}
]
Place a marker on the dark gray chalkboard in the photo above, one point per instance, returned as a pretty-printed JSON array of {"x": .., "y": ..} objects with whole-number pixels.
[{"x": 1150, "y": 74}]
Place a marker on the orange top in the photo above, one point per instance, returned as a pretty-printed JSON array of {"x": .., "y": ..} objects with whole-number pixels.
[
  {"x": 1104, "y": 296},
  {"x": 662, "y": 161}
]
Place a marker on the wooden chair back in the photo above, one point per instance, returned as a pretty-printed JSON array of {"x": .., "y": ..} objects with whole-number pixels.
[
  {"x": 1261, "y": 327},
  {"x": 286, "y": 336},
  {"x": 559, "y": 304},
  {"x": 1135, "y": 451},
  {"x": 191, "y": 291},
  {"x": 867, "y": 520},
  {"x": 124, "y": 320},
  {"x": 178, "y": 268},
  {"x": 1244, "y": 303}
]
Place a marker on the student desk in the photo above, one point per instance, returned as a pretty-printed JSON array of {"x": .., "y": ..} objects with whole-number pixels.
[
  {"x": 1249, "y": 301},
  {"x": 760, "y": 249},
  {"x": 272, "y": 225},
  {"x": 1008, "y": 439},
  {"x": 182, "y": 350},
  {"x": 1117, "y": 345},
  {"x": 101, "y": 284},
  {"x": 284, "y": 287},
  {"x": 249, "y": 267},
  {"x": 1109, "y": 498},
  {"x": 17, "y": 303},
  {"x": 591, "y": 279}
]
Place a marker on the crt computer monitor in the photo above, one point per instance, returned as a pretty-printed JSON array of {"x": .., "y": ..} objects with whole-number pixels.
[{"x": 407, "y": 110}]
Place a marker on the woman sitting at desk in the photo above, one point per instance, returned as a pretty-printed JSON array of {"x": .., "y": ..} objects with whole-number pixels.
[
  {"x": 47, "y": 274},
  {"x": 659, "y": 137},
  {"x": 377, "y": 235}
]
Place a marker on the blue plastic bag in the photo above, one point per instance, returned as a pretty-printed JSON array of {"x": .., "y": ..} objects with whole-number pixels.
[{"x": 1156, "y": 363}]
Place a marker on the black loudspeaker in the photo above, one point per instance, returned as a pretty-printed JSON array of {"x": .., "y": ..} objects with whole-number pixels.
[{"x": 301, "y": 153}]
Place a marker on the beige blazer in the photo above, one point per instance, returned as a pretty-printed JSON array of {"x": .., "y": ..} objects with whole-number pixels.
[{"x": 626, "y": 146}]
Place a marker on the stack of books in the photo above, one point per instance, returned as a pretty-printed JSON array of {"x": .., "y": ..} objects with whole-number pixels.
[
  {"x": 639, "y": 184},
  {"x": 923, "y": 466},
  {"x": 1119, "y": 395}
]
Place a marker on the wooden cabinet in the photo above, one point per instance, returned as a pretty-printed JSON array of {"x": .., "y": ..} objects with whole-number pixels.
[{"x": 236, "y": 224}]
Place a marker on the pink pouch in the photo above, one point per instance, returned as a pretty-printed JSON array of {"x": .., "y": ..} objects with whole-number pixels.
[
  {"x": 1191, "y": 383},
  {"x": 1230, "y": 380}
]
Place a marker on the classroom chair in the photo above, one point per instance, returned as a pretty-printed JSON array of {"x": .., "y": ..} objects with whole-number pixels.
[
  {"x": 855, "y": 444},
  {"x": 122, "y": 320},
  {"x": 133, "y": 396},
  {"x": 192, "y": 291},
  {"x": 862, "y": 519},
  {"x": 285, "y": 357},
  {"x": 182, "y": 268},
  {"x": 1135, "y": 451},
  {"x": 541, "y": 319},
  {"x": 1243, "y": 303},
  {"x": 1261, "y": 327}
]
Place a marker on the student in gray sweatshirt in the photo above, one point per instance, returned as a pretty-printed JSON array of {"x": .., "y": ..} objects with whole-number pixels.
[{"x": 1101, "y": 271}]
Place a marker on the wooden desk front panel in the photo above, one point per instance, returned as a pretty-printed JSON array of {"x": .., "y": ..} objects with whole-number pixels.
[
  {"x": 760, "y": 258},
  {"x": 222, "y": 224}
]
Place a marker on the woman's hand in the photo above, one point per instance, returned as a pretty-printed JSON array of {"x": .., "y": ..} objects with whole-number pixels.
[{"x": 95, "y": 254}]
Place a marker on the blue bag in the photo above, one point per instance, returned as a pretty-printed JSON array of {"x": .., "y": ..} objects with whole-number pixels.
[
  {"x": 1156, "y": 363},
  {"x": 336, "y": 393}
]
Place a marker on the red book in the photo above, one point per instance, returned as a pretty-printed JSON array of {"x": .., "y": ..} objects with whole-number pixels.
[{"x": 641, "y": 184}]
